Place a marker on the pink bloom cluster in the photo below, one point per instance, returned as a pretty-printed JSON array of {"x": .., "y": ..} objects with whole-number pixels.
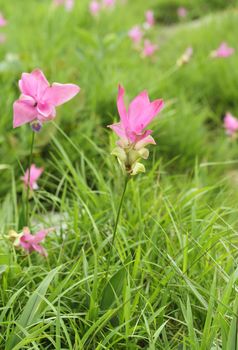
[
  {"x": 29, "y": 242},
  {"x": 132, "y": 129},
  {"x": 30, "y": 179},
  {"x": 231, "y": 124},
  {"x": 39, "y": 99},
  {"x": 223, "y": 51},
  {"x": 137, "y": 33},
  {"x": 96, "y": 6},
  {"x": 182, "y": 12},
  {"x": 68, "y": 4}
]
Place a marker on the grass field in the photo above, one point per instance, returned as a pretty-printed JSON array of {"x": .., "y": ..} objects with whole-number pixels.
[{"x": 173, "y": 274}]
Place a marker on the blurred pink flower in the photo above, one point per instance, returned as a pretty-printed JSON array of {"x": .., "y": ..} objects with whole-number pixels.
[
  {"x": 31, "y": 242},
  {"x": 94, "y": 8},
  {"x": 3, "y": 38},
  {"x": 135, "y": 34},
  {"x": 149, "y": 48},
  {"x": 109, "y": 3},
  {"x": 150, "y": 20},
  {"x": 133, "y": 122},
  {"x": 230, "y": 124},
  {"x": 35, "y": 173},
  {"x": 182, "y": 12},
  {"x": 68, "y": 4},
  {"x": 223, "y": 51},
  {"x": 38, "y": 99},
  {"x": 3, "y": 21}
]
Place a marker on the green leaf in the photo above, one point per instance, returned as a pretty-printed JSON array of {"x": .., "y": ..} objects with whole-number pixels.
[
  {"x": 113, "y": 289},
  {"x": 32, "y": 310}
]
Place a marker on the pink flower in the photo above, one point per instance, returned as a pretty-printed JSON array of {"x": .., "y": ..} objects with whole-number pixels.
[
  {"x": 141, "y": 112},
  {"x": 150, "y": 21},
  {"x": 182, "y": 12},
  {"x": 3, "y": 38},
  {"x": 38, "y": 99},
  {"x": 109, "y": 3},
  {"x": 3, "y": 21},
  {"x": 31, "y": 242},
  {"x": 149, "y": 48},
  {"x": 135, "y": 34},
  {"x": 223, "y": 51},
  {"x": 35, "y": 173},
  {"x": 68, "y": 4},
  {"x": 230, "y": 124},
  {"x": 94, "y": 8}
]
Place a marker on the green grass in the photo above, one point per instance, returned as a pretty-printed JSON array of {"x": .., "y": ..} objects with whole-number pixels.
[{"x": 173, "y": 271}]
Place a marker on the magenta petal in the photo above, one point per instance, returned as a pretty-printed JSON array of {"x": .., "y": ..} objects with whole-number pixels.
[
  {"x": 121, "y": 107},
  {"x": 118, "y": 129},
  {"x": 45, "y": 109},
  {"x": 38, "y": 248},
  {"x": 33, "y": 84},
  {"x": 39, "y": 236},
  {"x": 23, "y": 113},
  {"x": 58, "y": 94}
]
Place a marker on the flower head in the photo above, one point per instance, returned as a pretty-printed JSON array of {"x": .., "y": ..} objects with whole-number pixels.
[
  {"x": 31, "y": 242},
  {"x": 108, "y": 3},
  {"x": 149, "y": 48},
  {"x": 230, "y": 124},
  {"x": 223, "y": 51},
  {"x": 186, "y": 57},
  {"x": 132, "y": 129},
  {"x": 68, "y": 4},
  {"x": 31, "y": 179},
  {"x": 38, "y": 98},
  {"x": 182, "y": 12},
  {"x": 135, "y": 34},
  {"x": 150, "y": 20},
  {"x": 3, "y": 21},
  {"x": 94, "y": 8}
]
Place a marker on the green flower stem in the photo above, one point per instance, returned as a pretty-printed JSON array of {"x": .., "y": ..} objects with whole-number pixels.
[
  {"x": 28, "y": 181},
  {"x": 116, "y": 225}
]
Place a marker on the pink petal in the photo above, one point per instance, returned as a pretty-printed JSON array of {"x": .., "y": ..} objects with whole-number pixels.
[
  {"x": 58, "y": 94},
  {"x": 23, "y": 113},
  {"x": 40, "y": 236},
  {"x": 33, "y": 84},
  {"x": 121, "y": 107},
  {"x": 45, "y": 109},
  {"x": 38, "y": 248},
  {"x": 145, "y": 141},
  {"x": 118, "y": 129}
]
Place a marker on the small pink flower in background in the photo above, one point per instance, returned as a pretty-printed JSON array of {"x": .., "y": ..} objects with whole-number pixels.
[
  {"x": 3, "y": 21},
  {"x": 223, "y": 51},
  {"x": 35, "y": 173},
  {"x": 38, "y": 99},
  {"x": 109, "y": 3},
  {"x": 186, "y": 57},
  {"x": 132, "y": 130},
  {"x": 31, "y": 242},
  {"x": 150, "y": 20},
  {"x": 136, "y": 34},
  {"x": 3, "y": 38},
  {"x": 149, "y": 48},
  {"x": 68, "y": 4},
  {"x": 230, "y": 124},
  {"x": 182, "y": 12},
  {"x": 94, "y": 8}
]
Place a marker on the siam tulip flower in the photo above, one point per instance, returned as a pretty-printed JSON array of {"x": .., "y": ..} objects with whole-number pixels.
[
  {"x": 132, "y": 130},
  {"x": 30, "y": 242},
  {"x": 149, "y": 48},
  {"x": 38, "y": 100},
  {"x": 223, "y": 51},
  {"x": 186, "y": 57},
  {"x": 35, "y": 173},
  {"x": 3, "y": 21},
  {"x": 150, "y": 20},
  {"x": 3, "y": 38},
  {"x": 68, "y": 4},
  {"x": 136, "y": 34},
  {"x": 94, "y": 8},
  {"x": 230, "y": 124},
  {"x": 182, "y": 12},
  {"x": 109, "y": 3}
]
